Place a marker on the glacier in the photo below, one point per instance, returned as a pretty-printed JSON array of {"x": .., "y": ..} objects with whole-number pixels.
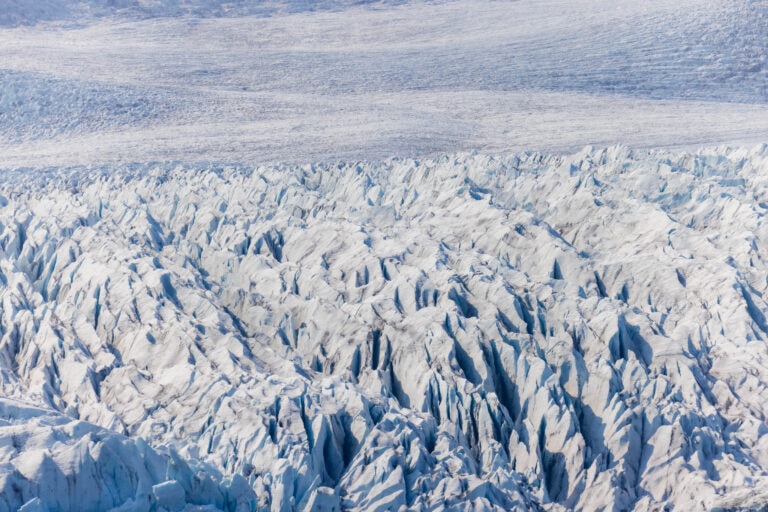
[
  {"x": 383, "y": 255},
  {"x": 471, "y": 332}
]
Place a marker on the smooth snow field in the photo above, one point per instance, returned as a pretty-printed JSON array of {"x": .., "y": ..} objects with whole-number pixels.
[
  {"x": 383, "y": 255},
  {"x": 304, "y": 81}
]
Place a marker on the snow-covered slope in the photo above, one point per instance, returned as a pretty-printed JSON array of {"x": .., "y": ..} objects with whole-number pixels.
[{"x": 466, "y": 333}]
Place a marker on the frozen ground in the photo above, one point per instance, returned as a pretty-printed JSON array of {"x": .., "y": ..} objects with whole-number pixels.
[{"x": 469, "y": 313}]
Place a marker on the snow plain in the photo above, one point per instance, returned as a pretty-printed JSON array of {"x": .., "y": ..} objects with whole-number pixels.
[
  {"x": 351, "y": 256},
  {"x": 305, "y": 82}
]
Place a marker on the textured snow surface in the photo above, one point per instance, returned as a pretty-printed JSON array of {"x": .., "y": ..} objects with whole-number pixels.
[
  {"x": 300, "y": 81},
  {"x": 465, "y": 333}
]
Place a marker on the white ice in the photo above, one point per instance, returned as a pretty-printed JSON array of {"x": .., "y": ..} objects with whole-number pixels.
[{"x": 352, "y": 256}]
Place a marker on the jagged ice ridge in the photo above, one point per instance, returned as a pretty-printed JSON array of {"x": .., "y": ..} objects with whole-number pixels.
[{"x": 471, "y": 332}]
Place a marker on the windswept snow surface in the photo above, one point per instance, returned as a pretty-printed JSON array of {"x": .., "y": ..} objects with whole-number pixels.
[
  {"x": 102, "y": 81},
  {"x": 467, "y": 333}
]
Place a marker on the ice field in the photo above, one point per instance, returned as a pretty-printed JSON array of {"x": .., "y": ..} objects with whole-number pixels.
[{"x": 381, "y": 256}]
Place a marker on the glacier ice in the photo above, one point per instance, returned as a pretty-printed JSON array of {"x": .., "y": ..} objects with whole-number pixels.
[
  {"x": 470, "y": 332},
  {"x": 54, "y": 462},
  {"x": 187, "y": 325}
]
